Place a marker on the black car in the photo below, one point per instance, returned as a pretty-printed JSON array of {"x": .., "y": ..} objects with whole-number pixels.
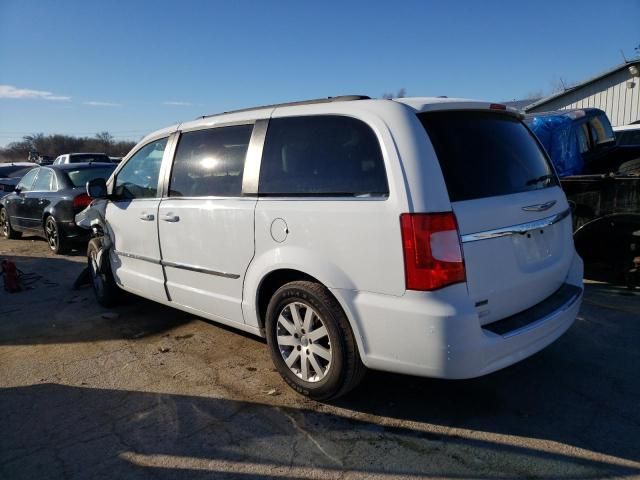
[
  {"x": 46, "y": 201},
  {"x": 10, "y": 175}
]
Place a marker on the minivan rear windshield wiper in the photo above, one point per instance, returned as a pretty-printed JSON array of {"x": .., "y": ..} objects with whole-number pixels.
[{"x": 546, "y": 179}]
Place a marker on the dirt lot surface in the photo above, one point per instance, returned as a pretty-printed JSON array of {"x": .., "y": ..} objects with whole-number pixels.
[{"x": 145, "y": 391}]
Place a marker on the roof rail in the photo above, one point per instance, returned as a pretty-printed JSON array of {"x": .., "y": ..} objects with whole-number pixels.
[{"x": 341, "y": 98}]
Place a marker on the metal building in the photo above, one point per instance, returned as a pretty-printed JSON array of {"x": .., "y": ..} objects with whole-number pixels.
[{"x": 617, "y": 92}]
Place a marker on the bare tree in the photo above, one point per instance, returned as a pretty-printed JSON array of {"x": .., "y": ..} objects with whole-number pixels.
[
  {"x": 55, "y": 145},
  {"x": 105, "y": 139},
  {"x": 401, "y": 94}
]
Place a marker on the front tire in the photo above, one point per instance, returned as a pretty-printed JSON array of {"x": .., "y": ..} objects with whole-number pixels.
[
  {"x": 311, "y": 342},
  {"x": 57, "y": 243},
  {"x": 103, "y": 284},
  {"x": 5, "y": 224}
]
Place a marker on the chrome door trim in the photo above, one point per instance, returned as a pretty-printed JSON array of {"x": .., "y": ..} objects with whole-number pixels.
[
  {"x": 138, "y": 257},
  {"x": 520, "y": 229},
  {"x": 194, "y": 268},
  {"x": 167, "y": 165},
  {"x": 251, "y": 172}
]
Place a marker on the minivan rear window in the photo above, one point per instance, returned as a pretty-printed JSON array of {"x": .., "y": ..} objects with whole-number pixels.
[{"x": 486, "y": 154}]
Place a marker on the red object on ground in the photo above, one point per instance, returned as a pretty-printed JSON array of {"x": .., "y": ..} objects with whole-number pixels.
[{"x": 11, "y": 277}]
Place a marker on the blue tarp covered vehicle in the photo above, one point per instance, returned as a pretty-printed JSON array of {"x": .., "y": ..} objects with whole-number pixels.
[
  {"x": 602, "y": 183},
  {"x": 557, "y": 133},
  {"x": 582, "y": 142}
]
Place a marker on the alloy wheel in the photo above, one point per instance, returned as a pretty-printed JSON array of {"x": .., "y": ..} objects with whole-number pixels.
[
  {"x": 4, "y": 222},
  {"x": 51, "y": 230},
  {"x": 303, "y": 342}
]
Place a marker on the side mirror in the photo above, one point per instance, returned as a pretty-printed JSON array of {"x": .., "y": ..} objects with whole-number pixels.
[{"x": 97, "y": 188}]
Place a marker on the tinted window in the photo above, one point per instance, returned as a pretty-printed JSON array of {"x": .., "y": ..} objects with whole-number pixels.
[
  {"x": 79, "y": 178},
  {"x": 88, "y": 157},
  {"x": 139, "y": 177},
  {"x": 27, "y": 181},
  {"x": 628, "y": 137},
  {"x": 322, "y": 155},
  {"x": 582, "y": 132},
  {"x": 45, "y": 181},
  {"x": 210, "y": 162},
  {"x": 601, "y": 130},
  {"x": 485, "y": 154}
]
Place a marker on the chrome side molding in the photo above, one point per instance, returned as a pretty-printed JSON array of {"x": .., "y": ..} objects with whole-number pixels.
[
  {"x": 194, "y": 268},
  {"x": 181, "y": 266},
  {"x": 519, "y": 229},
  {"x": 137, "y": 257}
]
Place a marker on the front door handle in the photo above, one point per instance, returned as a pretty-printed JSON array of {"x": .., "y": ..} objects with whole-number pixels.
[
  {"x": 171, "y": 218},
  {"x": 147, "y": 217}
]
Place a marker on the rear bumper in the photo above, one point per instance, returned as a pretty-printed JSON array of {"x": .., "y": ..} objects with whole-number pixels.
[{"x": 438, "y": 334}]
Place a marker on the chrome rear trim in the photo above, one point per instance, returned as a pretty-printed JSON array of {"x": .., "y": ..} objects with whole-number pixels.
[{"x": 519, "y": 229}]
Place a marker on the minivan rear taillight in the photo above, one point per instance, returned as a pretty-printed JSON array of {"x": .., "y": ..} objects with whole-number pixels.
[{"x": 432, "y": 251}]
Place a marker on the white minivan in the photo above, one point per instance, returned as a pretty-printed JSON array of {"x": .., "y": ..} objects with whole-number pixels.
[{"x": 425, "y": 236}]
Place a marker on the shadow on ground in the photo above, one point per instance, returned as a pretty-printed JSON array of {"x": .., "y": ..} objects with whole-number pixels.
[
  {"x": 58, "y": 431},
  {"x": 49, "y": 311},
  {"x": 569, "y": 412}
]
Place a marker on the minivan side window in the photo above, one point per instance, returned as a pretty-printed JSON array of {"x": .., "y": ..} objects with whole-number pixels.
[
  {"x": 328, "y": 155},
  {"x": 139, "y": 177},
  {"x": 27, "y": 181},
  {"x": 210, "y": 162}
]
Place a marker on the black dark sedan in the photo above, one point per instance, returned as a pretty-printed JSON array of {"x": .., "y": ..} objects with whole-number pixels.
[
  {"x": 46, "y": 201},
  {"x": 11, "y": 173}
]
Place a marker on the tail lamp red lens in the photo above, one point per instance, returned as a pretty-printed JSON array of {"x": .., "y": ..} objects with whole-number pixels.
[
  {"x": 82, "y": 201},
  {"x": 432, "y": 250}
]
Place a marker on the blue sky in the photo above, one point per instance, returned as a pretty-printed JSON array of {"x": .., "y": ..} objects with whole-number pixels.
[{"x": 129, "y": 67}]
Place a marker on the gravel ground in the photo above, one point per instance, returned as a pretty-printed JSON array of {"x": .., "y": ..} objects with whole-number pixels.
[{"x": 145, "y": 391}]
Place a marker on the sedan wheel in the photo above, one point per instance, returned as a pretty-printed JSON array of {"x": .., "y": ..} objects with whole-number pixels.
[
  {"x": 54, "y": 238},
  {"x": 5, "y": 225}
]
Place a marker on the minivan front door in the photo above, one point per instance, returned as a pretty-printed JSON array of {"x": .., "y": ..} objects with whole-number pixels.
[
  {"x": 132, "y": 223},
  {"x": 206, "y": 226}
]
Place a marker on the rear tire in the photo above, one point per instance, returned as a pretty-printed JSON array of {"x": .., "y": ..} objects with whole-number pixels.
[
  {"x": 311, "y": 342},
  {"x": 57, "y": 243},
  {"x": 5, "y": 225},
  {"x": 103, "y": 284}
]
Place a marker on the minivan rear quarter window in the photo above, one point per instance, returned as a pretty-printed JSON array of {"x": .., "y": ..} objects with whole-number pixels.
[
  {"x": 486, "y": 154},
  {"x": 325, "y": 155}
]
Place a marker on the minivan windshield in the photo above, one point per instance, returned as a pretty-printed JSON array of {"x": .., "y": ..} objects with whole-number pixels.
[{"x": 486, "y": 154}]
